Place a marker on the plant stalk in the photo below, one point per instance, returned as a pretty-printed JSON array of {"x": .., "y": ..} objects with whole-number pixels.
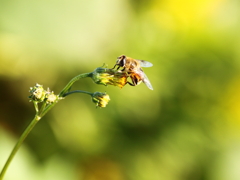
[
  {"x": 76, "y": 91},
  {"x": 18, "y": 144},
  {"x": 73, "y": 80},
  {"x": 39, "y": 114}
]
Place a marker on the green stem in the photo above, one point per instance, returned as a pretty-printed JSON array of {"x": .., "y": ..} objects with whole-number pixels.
[
  {"x": 76, "y": 91},
  {"x": 39, "y": 114},
  {"x": 19, "y": 143},
  {"x": 73, "y": 80},
  {"x": 35, "y": 105},
  {"x": 23, "y": 137},
  {"x": 47, "y": 108},
  {"x": 43, "y": 107}
]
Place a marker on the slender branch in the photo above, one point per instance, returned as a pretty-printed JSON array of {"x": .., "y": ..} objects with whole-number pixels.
[
  {"x": 37, "y": 93},
  {"x": 42, "y": 108},
  {"x": 76, "y": 91},
  {"x": 35, "y": 106},
  {"x": 18, "y": 144},
  {"x": 39, "y": 114},
  {"x": 47, "y": 108},
  {"x": 73, "y": 80}
]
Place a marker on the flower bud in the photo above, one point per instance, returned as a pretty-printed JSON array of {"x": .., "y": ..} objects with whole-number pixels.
[
  {"x": 109, "y": 77},
  {"x": 50, "y": 97},
  {"x": 100, "y": 99},
  {"x": 37, "y": 93}
]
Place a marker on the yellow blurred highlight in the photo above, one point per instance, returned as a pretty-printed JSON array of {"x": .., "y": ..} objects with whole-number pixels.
[
  {"x": 231, "y": 104},
  {"x": 178, "y": 14},
  {"x": 10, "y": 53}
]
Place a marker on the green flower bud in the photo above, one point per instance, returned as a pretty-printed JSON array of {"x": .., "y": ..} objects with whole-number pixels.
[
  {"x": 109, "y": 77},
  {"x": 100, "y": 99}
]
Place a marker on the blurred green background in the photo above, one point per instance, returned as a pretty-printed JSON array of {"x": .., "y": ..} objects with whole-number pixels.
[{"x": 187, "y": 128}]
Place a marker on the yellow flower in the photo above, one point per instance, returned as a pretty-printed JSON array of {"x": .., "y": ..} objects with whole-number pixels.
[
  {"x": 100, "y": 99},
  {"x": 109, "y": 77}
]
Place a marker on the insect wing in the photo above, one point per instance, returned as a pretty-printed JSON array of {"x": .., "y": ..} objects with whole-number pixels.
[
  {"x": 146, "y": 81},
  {"x": 144, "y": 63}
]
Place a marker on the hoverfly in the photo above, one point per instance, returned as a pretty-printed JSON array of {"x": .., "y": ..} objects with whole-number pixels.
[{"x": 133, "y": 68}]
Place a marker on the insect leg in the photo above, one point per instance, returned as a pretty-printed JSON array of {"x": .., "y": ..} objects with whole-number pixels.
[
  {"x": 134, "y": 81},
  {"x": 131, "y": 84},
  {"x": 115, "y": 66}
]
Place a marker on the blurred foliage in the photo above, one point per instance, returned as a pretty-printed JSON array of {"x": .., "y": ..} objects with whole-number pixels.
[{"x": 187, "y": 128}]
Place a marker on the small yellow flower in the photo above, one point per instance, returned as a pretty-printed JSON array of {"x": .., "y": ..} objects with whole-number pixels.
[
  {"x": 100, "y": 99},
  {"x": 109, "y": 77}
]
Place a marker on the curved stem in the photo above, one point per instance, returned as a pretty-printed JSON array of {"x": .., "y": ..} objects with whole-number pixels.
[
  {"x": 73, "y": 80},
  {"x": 18, "y": 144},
  {"x": 39, "y": 114},
  {"x": 76, "y": 91}
]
